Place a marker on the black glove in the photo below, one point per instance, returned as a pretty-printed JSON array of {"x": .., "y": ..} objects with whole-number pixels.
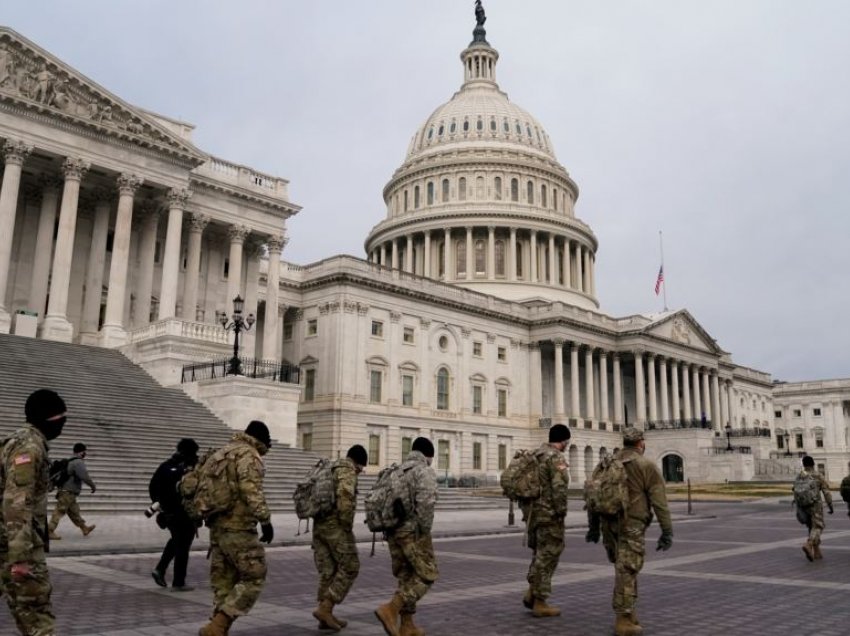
[
  {"x": 592, "y": 535},
  {"x": 93, "y": 488},
  {"x": 831, "y": 509},
  {"x": 268, "y": 532},
  {"x": 665, "y": 541}
]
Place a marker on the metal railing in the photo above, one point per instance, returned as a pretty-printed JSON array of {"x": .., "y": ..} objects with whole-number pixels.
[
  {"x": 745, "y": 432},
  {"x": 661, "y": 425},
  {"x": 744, "y": 450},
  {"x": 249, "y": 367}
]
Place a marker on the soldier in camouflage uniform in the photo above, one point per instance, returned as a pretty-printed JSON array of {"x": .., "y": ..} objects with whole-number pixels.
[
  {"x": 237, "y": 560},
  {"x": 544, "y": 517},
  {"x": 24, "y": 481},
  {"x": 624, "y": 536},
  {"x": 334, "y": 547},
  {"x": 815, "y": 512},
  {"x": 413, "y": 561}
]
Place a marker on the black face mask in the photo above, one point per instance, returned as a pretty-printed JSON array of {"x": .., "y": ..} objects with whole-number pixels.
[{"x": 51, "y": 429}]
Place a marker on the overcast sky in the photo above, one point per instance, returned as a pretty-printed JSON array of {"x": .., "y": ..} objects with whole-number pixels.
[{"x": 722, "y": 123}]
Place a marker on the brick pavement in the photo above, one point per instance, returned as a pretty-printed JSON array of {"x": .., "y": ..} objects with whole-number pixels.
[{"x": 737, "y": 569}]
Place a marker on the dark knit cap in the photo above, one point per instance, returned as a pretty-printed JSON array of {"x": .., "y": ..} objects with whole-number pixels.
[
  {"x": 259, "y": 431},
  {"x": 424, "y": 446},
  {"x": 43, "y": 404},
  {"x": 79, "y": 447},
  {"x": 187, "y": 447},
  {"x": 558, "y": 433},
  {"x": 809, "y": 461},
  {"x": 358, "y": 454}
]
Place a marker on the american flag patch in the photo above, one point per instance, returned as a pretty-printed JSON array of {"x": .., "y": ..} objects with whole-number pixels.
[{"x": 23, "y": 459}]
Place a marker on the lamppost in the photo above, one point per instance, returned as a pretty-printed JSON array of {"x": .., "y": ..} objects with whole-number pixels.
[
  {"x": 728, "y": 435},
  {"x": 787, "y": 444},
  {"x": 237, "y": 325}
]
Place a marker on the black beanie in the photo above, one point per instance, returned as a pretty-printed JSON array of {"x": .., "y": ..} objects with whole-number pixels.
[
  {"x": 43, "y": 404},
  {"x": 558, "y": 433},
  {"x": 424, "y": 446},
  {"x": 358, "y": 454},
  {"x": 187, "y": 447},
  {"x": 259, "y": 431}
]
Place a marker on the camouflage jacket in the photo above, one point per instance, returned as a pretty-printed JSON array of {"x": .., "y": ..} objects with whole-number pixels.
[
  {"x": 421, "y": 481},
  {"x": 345, "y": 489},
  {"x": 823, "y": 487},
  {"x": 646, "y": 489},
  {"x": 24, "y": 481},
  {"x": 553, "y": 471},
  {"x": 245, "y": 471}
]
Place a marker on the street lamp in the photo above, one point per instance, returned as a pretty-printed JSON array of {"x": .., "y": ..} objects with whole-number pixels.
[
  {"x": 787, "y": 444},
  {"x": 728, "y": 435},
  {"x": 237, "y": 325}
]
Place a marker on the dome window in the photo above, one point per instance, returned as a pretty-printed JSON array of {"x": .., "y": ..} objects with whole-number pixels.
[
  {"x": 445, "y": 190},
  {"x": 430, "y": 133},
  {"x": 518, "y": 129},
  {"x": 460, "y": 258},
  {"x": 480, "y": 258},
  {"x": 441, "y": 130},
  {"x": 506, "y": 126},
  {"x": 499, "y": 257},
  {"x": 492, "y": 124},
  {"x": 543, "y": 200},
  {"x": 479, "y": 125},
  {"x": 416, "y": 196},
  {"x": 461, "y": 189},
  {"x": 514, "y": 190},
  {"x": 465, "y": 125},
  {"x": 430, "y": 193},
  {"x": 497, "y": 188},
  {"x": 529, "y": 193},
  {"x": 453, "y": 127},
  {"x": 528, "y": 130}
]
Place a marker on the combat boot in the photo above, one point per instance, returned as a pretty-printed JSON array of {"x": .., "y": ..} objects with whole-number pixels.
[
  {"x": 809, "y": 551},
  {"x": 816, "y": 551},
  {"x": 528, "y": 599},
  {"x": 218, "y": 626},
  {"x": 626, "y": 626},
  {"x": 541, "y": 609},
  {"x": 388, "y": 615},
  {"x": 324, "y": 614},
  {"x": 53, "y": 536},
  {"x": 408, "y": 627},
  {"x": 87, "y": 530}
]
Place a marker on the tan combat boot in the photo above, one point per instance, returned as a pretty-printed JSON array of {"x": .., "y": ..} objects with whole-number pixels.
[
  {"x": 809, "y": 551},
  {"x": 541, "y": 609},
  {"x": 53, "y": 536},
  {"x": 816, "y": 551},
  {"x": 388, "y": 615},
  {"x": 218, "y": 626},
  {"x": 528, "y": 599},
  {"x": 324, "y": 614},
  {"x": 408, "y": 627},
  {"x": 87, "y": 530},
  {"x": 626, "y": 626}
]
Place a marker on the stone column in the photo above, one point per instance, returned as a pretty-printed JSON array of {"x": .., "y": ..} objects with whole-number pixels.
[
  {"x": 674, "y": 389},
  {"x": 653, "y": 393},
  {"x": 383, "y": 254},
  {"x": 512, "y": 253},
  {"x": 665, "y": 399},
  {"x": 587, "y": 287},
  {"x": 395, "y": 254},
  {"x": 706, "y": 395},
  {"x": 408, "y": 254},
  {"x": 579, "y": 268},
  {"x": 271, "y": 326},
  {"x": 575, "y": 401},
  {"x": 447, "y": 251},
  {"x": 237, "y": 235},
  {"x": 733, "y": 404},
  {"x": 470, "y": 257},
  {"x": 56, "y": 325},
  {"x": 149, "y": 212},
  {"x": 15, "y": 153},
  {"x": 618, "y": 390},
  {"x": 698, "y": 410},
  {"x": 536, "y": 384},
  {"x": 553, "y": 261},
  {"x": 559, "y": 377},
  {"x": 95, "y": 267},
  {"x": 686, "y": 392},
  {"x": 715, "y": 402},
  {"x": 566, "y": 263},
  {"x": 197, "y": 223},
  {"x": 44, "y": 244},
  {"x": 253, "y": 251},
  {"x": 640, "y": 390},
  {"x": 177, "y": 198},
  {"x": 426, "y": 256},
  {"x": 591, "y": 261},
  {"x": 603, "y": 386},
  {"x": 533, "y": 255},
  {"x": 491, "y": 252},
  {"x": 113, "y": 333},
  {"x": 724, "y": 406},
  {"x": 590, "y": 409}
]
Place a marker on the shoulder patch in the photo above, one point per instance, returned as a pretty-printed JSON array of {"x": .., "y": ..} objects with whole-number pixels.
[{"x": 23, "y": 458}]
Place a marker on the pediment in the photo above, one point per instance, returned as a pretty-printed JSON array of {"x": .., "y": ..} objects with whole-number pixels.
[
  {"x": 34, "y": 80},
  {"x": 681, "y": 328}
]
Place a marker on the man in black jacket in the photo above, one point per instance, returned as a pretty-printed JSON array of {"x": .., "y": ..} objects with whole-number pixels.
[{"x": 172, "y": 516}]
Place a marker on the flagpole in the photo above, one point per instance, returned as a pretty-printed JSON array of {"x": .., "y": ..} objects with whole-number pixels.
[{"x": 663, "y": 282}]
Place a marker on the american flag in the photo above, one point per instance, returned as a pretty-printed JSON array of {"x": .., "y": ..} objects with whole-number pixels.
[{"x": 660, "y": 280}]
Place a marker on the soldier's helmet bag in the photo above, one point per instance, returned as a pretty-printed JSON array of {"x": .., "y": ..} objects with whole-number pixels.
[
  {"x": 806, "y": 490},
  {"x": 206, "y": 490},
  {"x": 314, "y": 495},
  {"x": 521, "y": 479},
  {"x": 606, "y": 492},
  {"x": 389, "y": 502}
]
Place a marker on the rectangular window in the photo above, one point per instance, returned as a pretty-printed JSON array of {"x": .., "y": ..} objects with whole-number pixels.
[
  {"x": 374, "y": 450},
  {"x": 503, "y": 457},
  {"x": 307, "y": 441},
  {"x": 476, "y": 456},
  {"x": 407, "y": 390},
  {"x": 442, "y": 391},
  {"x": 443, "y": 454},
  {"x": 312, "y": 327},
  {"x": 377, "y": 329},
  {"x": 476, "y": 349},
  {"x": 287, "y": 331},
  {"x": 798, "y": 438},
  {"x": 375, "y": 378},
  {"x": 798, "y": 413},
  {"x": 406, "y": 446},
  {"x": 780, "y": 441},
  {"x": 503, "y": 403},
  {"x": 407, "y": 336},
  {"x": 502, "y": 354},
  {"x": 816, "y": 412},
  {"x": 476, "y": 399},
  {"x": 309, "y": 384},
  {"x": 777, "y": 414},
  {"x": 819, "y": 441}
]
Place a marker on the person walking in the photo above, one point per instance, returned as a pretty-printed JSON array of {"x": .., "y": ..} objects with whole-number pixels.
[
  {"x": 334, "y": 546},
  {"x": 237, "y": 558},
  {"x": 624, "y": 535},
  {"x": 69, "y": 490},
  {"x": 24, "y": 483},
  {"x": 545, "y": 521},
  {"x": 808, "y": 488},
  {"x": 411, "y": 548},
  {"x": 172, "y": 515}
]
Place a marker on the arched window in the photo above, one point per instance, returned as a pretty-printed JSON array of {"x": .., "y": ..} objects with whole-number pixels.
[
  {"x": 492, "y": 124},
  {"x": 453, "y": 127},
  {"x": 460, "y": 257},
  {"x": 529, "y": 193},
  {"x": 461, "y": 189},
  {"x": 480, "y": 257},
  {"x": 514, "y": 190},
  {"x": 430, "y": 194},
  {"x": 506, "y": 126},
  {"x": 405, "y": 200},
  {"x": 445, "y": 190},
  {"x": 543, "y": 200},
  {"x": 465, "y": 125},
  {"x": 415, "y": 197},
  {"x": 555, "y": 198},
  {"x": 479, "y": 125},
  {"x": 518, "y": 264},
  {"x": 497, "y": 188},
  {"x": 441, "y": 130},
  {"x": 518, "y": 129},
  {"x": 479, "y": 188},
  {"x": 430, "y": 133},
  {"x": 500, "y": 258},
  {"x": 442, "y": 390}
]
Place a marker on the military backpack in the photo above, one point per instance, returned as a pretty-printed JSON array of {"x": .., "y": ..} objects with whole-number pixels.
[
  {"x": 806, "y": 490},
  {"x": 845, "y": 489},
  {"x": 58, "y": 472},
  {"x": 606, "y": 492},
  {"x": 315, "y": 495},
  {"x": 521, "y": 479},
  {"x": 389, "y": 502},
  {"x": 207, "y": 489}
]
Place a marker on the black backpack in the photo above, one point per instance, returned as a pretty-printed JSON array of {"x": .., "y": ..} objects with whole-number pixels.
[{"x": 58, "y": 472}]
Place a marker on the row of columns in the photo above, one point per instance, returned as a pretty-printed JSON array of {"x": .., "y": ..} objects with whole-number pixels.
[{"x": 568, "y": 260}]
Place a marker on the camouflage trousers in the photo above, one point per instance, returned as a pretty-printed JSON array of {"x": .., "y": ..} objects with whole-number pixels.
[
  {"x": 547, "y": 542},
  {"x": 414, "y": 565},
  {"x": 335, "y": 555},
  {"x": 66, "y": 504},
  {"x": 816, "y": 524},
  {"x": 29, "y": 600},
  {"x": 237, "y": 570},
  {"x": 625, "y": 547}
]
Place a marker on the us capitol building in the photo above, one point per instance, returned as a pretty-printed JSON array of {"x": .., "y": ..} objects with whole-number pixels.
[{"x": 473, "y": 318}]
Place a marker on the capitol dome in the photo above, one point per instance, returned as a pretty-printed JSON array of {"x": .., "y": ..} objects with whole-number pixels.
[{"x": 481, "y": 201}]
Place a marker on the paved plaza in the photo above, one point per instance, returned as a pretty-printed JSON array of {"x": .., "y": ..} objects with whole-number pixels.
[{"x": 734, "y": 569}]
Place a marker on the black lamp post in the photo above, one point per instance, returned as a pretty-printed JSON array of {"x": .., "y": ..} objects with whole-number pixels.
[
  {"x": 237, "y": 325},
  {"x": 787, "y": 444},
  {"x": 728, "y": 435}
]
